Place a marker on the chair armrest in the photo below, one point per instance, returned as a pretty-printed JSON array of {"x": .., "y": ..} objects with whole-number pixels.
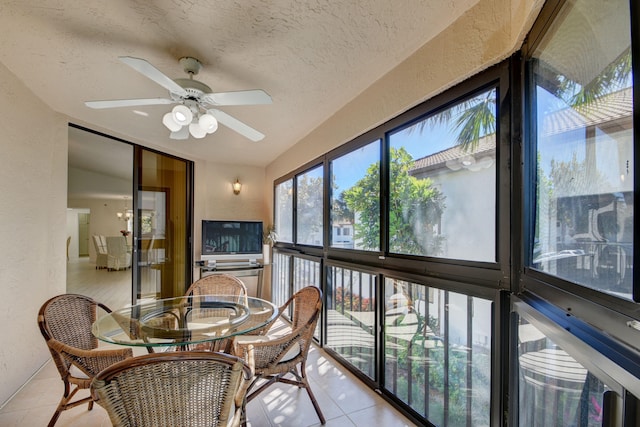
[
  {"x": 90, "y": 361},
  {"x": 264, "y": 329},
  {"x": 245, "y": 381},
  {"x": 268, "y": 351}
]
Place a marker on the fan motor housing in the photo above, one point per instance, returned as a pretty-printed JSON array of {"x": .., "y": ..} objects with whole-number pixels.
[{"x": 194, "y": 88}]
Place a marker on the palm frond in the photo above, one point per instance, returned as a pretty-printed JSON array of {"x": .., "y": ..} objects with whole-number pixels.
[
  {"x": 476, "y": 121},
  {"x": 612, "y": 78}
]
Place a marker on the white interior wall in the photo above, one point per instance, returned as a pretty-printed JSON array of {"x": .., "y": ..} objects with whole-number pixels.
[
  {"x": 82, "y": 181},
  {"x": 214, "y": 199},
  {"x": 33, "y": 184},
  {"x": 103, "y": 220}
]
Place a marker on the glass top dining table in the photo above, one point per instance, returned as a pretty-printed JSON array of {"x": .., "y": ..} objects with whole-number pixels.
[{"x": 184, "y": 320}]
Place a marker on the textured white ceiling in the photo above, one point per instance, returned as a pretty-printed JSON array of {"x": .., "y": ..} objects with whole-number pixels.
[{"x": 312, "y": 57}]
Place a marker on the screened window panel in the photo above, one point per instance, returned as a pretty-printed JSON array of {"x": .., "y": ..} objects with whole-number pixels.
[
  {"x": 584, "y": 148},
  {"x": 306, "y": 272},
  {"x": 284, "y": 211},
  {"x": 355, "y": 199},
  {"x": 280, "y": 278},
  {"x": 443, "y": 183},
  {"x": 438, "y": 352},
  {"x": 289, "y": 275},
  {"x": 309, "y": 193},
  {"x": 555, "y": 389},
  {"x": 351, "y": 317}
]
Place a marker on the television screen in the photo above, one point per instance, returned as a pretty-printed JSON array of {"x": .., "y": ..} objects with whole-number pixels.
[{"x": 231, "y": 237}]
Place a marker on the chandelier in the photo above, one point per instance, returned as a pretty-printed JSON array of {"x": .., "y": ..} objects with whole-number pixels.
[{"x": 126, "y": 213}]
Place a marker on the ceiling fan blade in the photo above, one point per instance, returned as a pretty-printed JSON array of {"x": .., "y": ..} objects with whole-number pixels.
[
  {"x": 115, "y": 103},
  {"x": 236, "y": 125},
  {"x": 148, "y": 70},
  {"x": 183, "y": 133},
  {"x": 241, "y": 97}
]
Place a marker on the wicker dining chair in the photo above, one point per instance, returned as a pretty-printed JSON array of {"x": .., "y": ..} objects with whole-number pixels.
[
  {"x": 174, "y": 389},
  {"x": 218, "y": 284},
  {"x": 65, "y": 322},
  {"x": 276, "y": 356}
]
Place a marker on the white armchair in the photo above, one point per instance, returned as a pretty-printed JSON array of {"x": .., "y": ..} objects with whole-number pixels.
[{"x": 118, "y": 257}]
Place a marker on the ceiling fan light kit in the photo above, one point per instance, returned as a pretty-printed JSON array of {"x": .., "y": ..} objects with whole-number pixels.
[
  {"x": 171, "y": 124},
  {"x": 208, "y": 123},
  {"x": 182, "y": 115},
  {"x": 193, "y": 113},
  {"x": 200, "y": 124},
  {"x": 196, "y": 131}
]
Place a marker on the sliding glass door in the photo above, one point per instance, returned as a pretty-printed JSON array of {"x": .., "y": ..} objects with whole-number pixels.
[
  {"x": 163, "y": 225},
  {"x": 131, "y": 191},
  {"x": 99, "y": 200}
]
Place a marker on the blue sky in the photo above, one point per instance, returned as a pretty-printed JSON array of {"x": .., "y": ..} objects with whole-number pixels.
[{"x": 419, "y": 143}]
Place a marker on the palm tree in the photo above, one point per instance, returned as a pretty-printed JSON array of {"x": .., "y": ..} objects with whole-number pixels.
[{"x": 475, "y": 117}]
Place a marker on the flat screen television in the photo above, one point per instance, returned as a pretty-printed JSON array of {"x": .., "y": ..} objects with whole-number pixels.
[{"x": 231, "y": 240}]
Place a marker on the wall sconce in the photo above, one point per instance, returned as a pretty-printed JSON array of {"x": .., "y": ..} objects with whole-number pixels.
[{"x": 237, "y": 187}]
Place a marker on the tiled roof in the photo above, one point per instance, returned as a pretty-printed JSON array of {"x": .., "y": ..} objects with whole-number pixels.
[
  {"x": 612, "y": 107},
  {"x": 616, "y": 106},
  {"x": 485, "y": 145}
]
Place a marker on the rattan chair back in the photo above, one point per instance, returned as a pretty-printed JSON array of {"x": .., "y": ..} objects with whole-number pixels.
[
  {"x": 174, "y": 389},
  {"x": 65, "y": 323},
  {"x": 218, "y": 284},
  {"x": 275, "y": 357}
]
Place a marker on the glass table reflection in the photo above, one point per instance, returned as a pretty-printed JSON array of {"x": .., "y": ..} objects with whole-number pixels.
[{"x": 184, "y": 320}]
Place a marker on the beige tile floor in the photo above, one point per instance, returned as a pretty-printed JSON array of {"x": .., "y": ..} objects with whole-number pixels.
[{"x": 344, "y": 400}]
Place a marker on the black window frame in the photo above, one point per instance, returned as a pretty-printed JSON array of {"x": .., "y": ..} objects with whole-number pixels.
[
  {"x": 490, "y": 274},
  {"x": 610, "y": 313},
  {"x": 361, "y": 141},
  {"x": 489, "y": 280}
]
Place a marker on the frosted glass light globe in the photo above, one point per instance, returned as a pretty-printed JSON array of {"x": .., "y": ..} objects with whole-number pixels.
[
  {"x": 208, "y": 123},
  {"x": 182, "y": 115},
  {"x": 196, "y": 131},
  {"x": 171, "y": 124}
]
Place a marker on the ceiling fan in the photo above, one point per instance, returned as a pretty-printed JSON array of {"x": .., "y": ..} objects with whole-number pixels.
[{"x": 194, "y": 113}]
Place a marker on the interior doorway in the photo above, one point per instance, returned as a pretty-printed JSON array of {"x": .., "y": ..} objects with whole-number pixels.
[
  {"x": 129, "y": 193},
  {"x": 99, "y": 188},
  {"x": 77, "y": 233},
  {"x": 83, "y": 234}
]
